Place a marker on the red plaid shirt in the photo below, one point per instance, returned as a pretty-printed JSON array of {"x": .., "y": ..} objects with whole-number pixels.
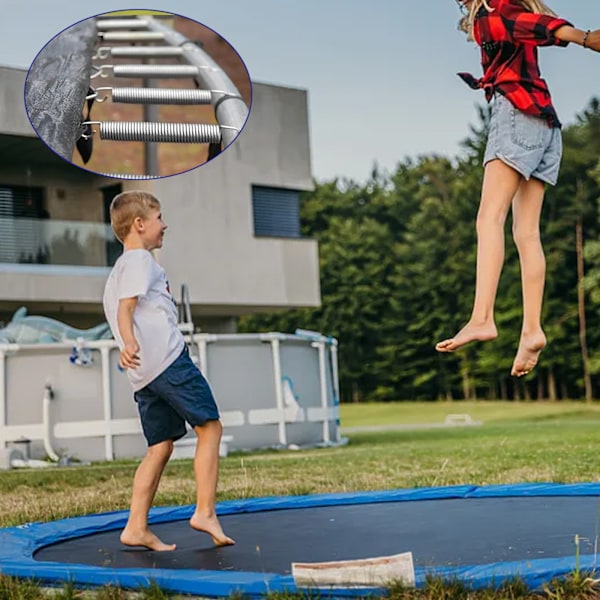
[{"x": 509, "y": 37}]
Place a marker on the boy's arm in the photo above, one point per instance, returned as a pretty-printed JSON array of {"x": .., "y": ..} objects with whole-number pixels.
[
  {"x": 567, "y": 33},
  {"x": 129, "y": 358}
]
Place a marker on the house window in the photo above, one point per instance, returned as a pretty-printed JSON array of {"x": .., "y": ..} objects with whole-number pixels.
[
  {"x": 21, "y": 214},
  {"x": 276, "y": 212},
  {"x": 29, "y": 234}
]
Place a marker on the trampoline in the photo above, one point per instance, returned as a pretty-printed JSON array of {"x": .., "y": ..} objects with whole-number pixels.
[{"x": 480, "y": 535}]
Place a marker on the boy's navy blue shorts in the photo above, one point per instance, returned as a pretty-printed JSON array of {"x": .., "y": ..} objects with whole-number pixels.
[{"x": 179, "y": 394}]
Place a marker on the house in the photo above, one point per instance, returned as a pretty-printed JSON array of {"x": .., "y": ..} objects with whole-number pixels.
[{"x": 234, "y": 232}]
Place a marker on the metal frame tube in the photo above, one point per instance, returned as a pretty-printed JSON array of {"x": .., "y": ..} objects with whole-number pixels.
[
  {"x": 232, "y": 111},
  {"x": 320, "y": 346},
  {"x": 279, "y": 391},
  {"x": 106, "y": 403},
  {"x": 3, "y": 422}
]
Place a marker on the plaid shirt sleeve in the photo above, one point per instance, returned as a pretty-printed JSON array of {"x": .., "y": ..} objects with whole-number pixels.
[{"x": 525, "y": 27}]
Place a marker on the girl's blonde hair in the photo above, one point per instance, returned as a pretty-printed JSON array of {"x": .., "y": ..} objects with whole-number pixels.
[
  {"x": 126, "y": 207},
  {"x": 534, "y": 6}
]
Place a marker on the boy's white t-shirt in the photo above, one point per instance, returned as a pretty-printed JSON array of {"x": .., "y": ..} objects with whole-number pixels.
[{"x": 137, "y": 274}]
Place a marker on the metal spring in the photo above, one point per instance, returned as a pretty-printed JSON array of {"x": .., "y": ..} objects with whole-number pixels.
[
  {"x": 129, "y": 176},
  {"x": 139, "y": 95},
  {"x": 138, "y": 51},
  {"x": 184, "y": 133},
  {"x": 105, "y": 24},
  {"x": 131, "y": 36},
  {"x": 155, "y": 71}
]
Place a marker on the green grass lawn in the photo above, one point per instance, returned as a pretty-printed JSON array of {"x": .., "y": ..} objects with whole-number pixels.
[
  {"x": 402, "y": 413},
  {"x": 517, "y": 442}
]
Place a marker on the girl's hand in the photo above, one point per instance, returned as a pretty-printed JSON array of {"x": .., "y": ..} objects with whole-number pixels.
[{"x": 593, "y": 40}]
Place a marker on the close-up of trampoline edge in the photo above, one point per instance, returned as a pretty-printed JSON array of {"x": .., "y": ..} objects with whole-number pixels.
[{"x": 20, "y": 547}]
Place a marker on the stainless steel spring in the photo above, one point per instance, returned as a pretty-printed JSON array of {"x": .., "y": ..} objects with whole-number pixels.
[
  {"x": 139, "y": 95},
  {"x": 104, "y": 24},
  {"x": 184, "y": 133},
  {"x": 138, "y": 51},
  {"x": 155, "y": 71},
  {"x": 129, "y": 176},
  {"x": 131, "y": 36}
]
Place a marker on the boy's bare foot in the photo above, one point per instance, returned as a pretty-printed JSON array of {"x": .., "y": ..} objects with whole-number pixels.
[
  {"x": 469, "y": 333},
  {"x": 211, "y": 526},
  {"x": 146, "y": 539},
  {"x": 530, "y": 346}
]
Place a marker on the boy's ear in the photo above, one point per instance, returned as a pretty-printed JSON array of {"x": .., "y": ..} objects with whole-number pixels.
[{"x": 138, "y": 224}]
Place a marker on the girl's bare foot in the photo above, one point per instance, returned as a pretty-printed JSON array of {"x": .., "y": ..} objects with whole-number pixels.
[
  {"x": 144, "y": 538},
  {"x": 471, "y": 332},
  {"x": 210, "y": 524},
  {"x": 530, "y": 346}
]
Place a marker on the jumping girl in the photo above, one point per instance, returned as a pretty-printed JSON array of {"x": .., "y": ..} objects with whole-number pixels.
[{"x": 523, "y": 153}]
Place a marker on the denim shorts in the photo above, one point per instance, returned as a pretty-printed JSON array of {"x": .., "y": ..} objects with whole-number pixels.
[
  {"x": 524, "y": 142},
  {"x": 179, "y": 394}
]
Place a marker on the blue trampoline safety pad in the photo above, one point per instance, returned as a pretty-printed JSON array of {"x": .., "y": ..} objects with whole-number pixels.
[{"x": 470, "y": 556}]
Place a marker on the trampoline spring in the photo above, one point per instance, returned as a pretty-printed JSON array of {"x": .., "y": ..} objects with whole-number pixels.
[
  {"x": 131, "y": 36},
  {"x": 138, "y": 52},
  {"x": 104, "y": 24},
  {"x": 155, "y": 71},
  {"x": 140, "y": 95},
  {"x": 133, "y": 131},
  {"x": 150, "y": 71},
  {"x": 129, "y": 176}
]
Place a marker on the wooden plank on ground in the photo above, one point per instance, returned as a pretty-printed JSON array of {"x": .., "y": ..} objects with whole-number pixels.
[{"x": 366, "y": 572}]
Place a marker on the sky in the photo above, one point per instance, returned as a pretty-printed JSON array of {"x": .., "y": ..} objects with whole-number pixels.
[{"x": 380, "y": 74}]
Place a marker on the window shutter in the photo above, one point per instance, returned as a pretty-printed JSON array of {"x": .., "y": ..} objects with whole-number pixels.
[
  {"x": 20, "y": 226},
  {"x": 276, "y": 212}
]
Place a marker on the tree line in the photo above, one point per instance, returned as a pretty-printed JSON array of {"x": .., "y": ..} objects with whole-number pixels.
[{"x": 397, "y": 263}]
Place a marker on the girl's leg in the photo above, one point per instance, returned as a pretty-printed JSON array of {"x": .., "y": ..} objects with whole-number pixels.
[
  {"x": 145, "y": 484},
  {"x": 527, "y": 208},
  {"x": 206, "y": 471},
  {"x": 500, "y": 184}
]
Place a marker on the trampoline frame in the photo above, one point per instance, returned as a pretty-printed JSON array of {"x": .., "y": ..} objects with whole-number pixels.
[{"x": 18, "y": 545}]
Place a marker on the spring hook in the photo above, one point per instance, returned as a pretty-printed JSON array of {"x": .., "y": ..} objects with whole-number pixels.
[
  {"x": 94, "y": 96},
  {"x": 133, "y": 131}
]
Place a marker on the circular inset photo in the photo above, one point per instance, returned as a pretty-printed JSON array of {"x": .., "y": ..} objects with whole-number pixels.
[{"x": 138, "y": 94}]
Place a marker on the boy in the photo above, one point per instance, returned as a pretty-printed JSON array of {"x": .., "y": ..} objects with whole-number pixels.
[{"x": 168, "y": 388}]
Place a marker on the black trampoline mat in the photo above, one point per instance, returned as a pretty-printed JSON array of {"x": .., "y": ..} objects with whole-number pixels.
[{"x": 449, "y": 532}]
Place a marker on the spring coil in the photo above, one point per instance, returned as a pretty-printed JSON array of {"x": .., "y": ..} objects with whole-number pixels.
[
  {"x": 155, "y": 71},
  {"x": 105, "y": 24},
  {"x": 139, "y": 95},
  {"x": 183, "y": 133},
  {"x": 131, "y": 36},
  {"x": 129, "y": 176},
  {"x": 139, "y": 51}
]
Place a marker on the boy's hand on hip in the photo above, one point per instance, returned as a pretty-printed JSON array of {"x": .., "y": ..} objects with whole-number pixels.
[{"x": 129, "y": 358}]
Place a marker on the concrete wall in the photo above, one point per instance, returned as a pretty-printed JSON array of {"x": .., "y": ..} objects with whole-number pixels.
[
  {"x": 245, "y": 272},
  {"x": 13, "y": 118}
]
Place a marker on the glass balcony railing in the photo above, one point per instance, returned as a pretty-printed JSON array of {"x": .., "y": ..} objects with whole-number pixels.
[{"x": 55, "y": 242}]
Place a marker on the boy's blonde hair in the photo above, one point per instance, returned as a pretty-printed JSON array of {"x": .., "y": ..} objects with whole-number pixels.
[
  {"x": 534, "y": 6},
  {"x": 126, "y": 207}
]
